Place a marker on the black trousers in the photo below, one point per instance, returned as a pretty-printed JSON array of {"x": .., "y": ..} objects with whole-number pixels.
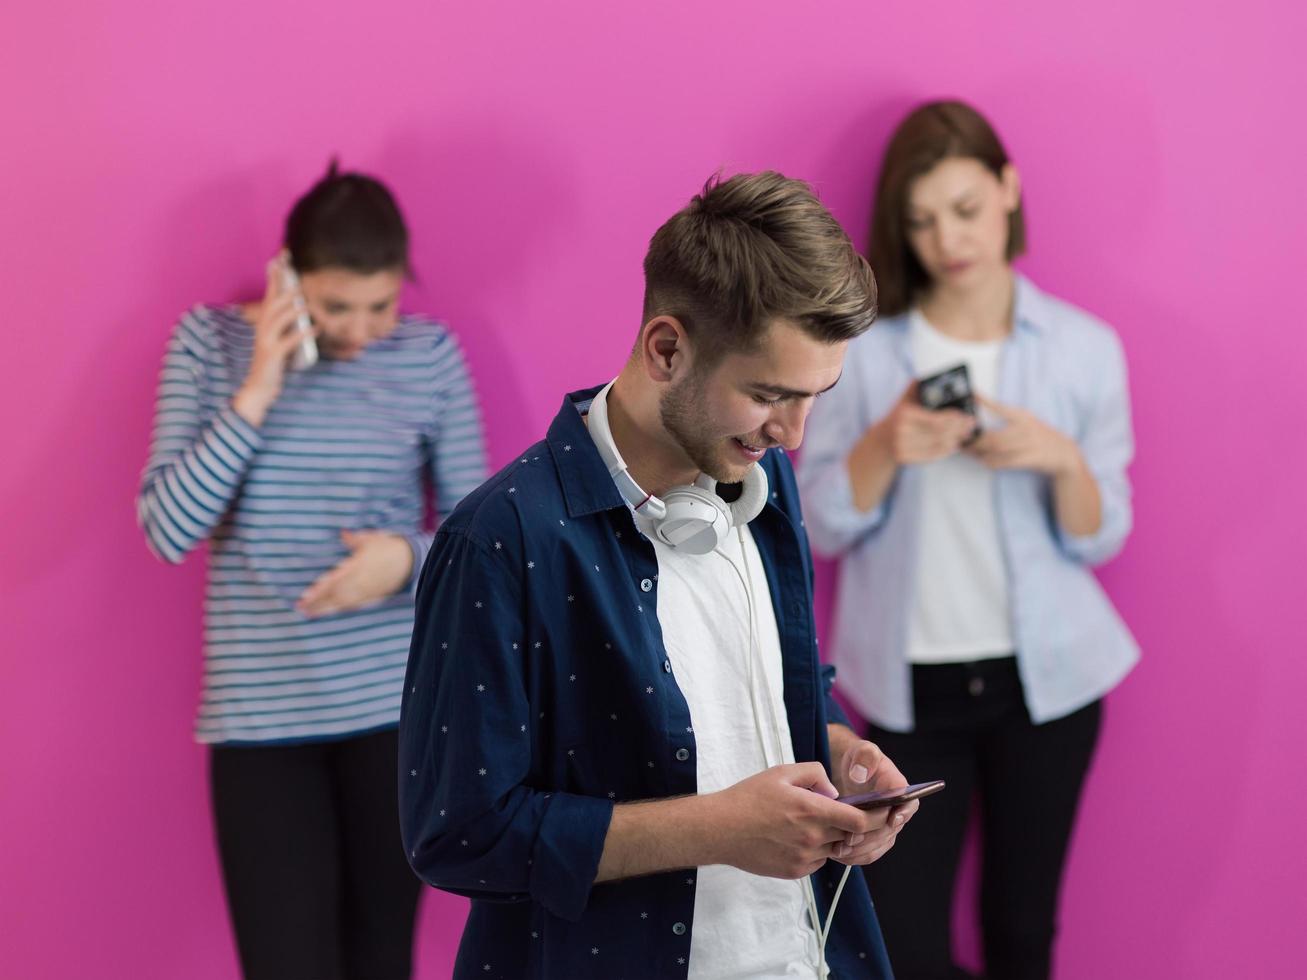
[
  {"x": 316, "y": 879},
  {"x": 974, "y": 732}
]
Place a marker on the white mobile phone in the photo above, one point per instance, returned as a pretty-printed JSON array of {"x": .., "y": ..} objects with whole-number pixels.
[{"x": 306, "y": 354}]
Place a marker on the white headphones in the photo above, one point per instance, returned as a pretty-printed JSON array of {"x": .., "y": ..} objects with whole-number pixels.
[{"x": 693, "y": 518}]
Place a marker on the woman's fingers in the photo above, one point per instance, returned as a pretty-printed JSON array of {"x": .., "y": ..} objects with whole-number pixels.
[
  {"x": 291, "y": 339},
  {"x": 323, "y": 595},
  {"x": 278, "y": 316}
]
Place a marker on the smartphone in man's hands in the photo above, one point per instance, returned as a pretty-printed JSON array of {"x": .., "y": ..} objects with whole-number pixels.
[{"x": 892, "y": 797}]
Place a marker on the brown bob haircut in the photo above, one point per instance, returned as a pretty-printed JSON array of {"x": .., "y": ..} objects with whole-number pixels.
[
  {"x": 932, "y": 132},
  {"x": 751, "y": 250}
]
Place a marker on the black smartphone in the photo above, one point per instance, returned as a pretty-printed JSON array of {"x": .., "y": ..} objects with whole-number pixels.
[
  {"x": 950, "y": 388},
  {"x": 892, "y": 797}
]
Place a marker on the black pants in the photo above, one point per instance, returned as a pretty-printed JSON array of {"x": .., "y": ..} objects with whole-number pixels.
[
  {"x": 316, "y": 878},
  {"x": 974, "y": 732}
]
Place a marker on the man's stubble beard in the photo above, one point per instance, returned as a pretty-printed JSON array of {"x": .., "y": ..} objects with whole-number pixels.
[{"x": 684, "y": 415}]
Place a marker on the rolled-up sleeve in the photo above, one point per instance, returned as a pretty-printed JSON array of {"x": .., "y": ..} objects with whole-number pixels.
[
  {"x": 1106, "y": 441},
  {"x": 834, "y": 713},
  {"x": 837, "y": 422},
  {"x": 419, "y": 543},
  {"x": 470, "y": 823}
]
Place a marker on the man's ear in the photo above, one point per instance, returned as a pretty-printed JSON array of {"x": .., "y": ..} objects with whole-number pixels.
[{"x": 664, "y": 349}]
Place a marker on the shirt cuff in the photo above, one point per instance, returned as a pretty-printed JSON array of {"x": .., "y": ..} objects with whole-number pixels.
[
  {"x": 420, "y": 542},
  {"x": 567, "y": 853},
  {"x": 833, "y": 521},
  {"x": 1090, "y": 549},
  {"x": 237, "y": 424},
  {"x": 233, "y": 426},
  {"x": 834, "y": 713}
]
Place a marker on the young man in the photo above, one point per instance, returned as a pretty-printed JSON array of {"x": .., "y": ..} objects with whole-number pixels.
[{"x": 617, "y": 734}]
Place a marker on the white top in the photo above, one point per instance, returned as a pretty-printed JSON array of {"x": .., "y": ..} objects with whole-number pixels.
[
  {"x": 745, "y": 925},
  {"x": 960, "y": 608}
]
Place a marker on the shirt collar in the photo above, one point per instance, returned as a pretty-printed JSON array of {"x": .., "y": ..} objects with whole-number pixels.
[
  {"x": 1029, "y": 306},
  {"x": 587, "y": 486},
  {"x": 1030, "y": 309}
]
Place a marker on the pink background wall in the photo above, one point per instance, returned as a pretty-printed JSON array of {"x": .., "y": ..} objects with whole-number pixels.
[{"x": 150, "y": 152}]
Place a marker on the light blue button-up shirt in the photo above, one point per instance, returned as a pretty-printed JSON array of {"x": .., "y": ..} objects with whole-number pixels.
[{"x": 1072, "y": 647}]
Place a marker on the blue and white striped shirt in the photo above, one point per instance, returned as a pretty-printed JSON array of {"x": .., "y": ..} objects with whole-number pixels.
[{"x": 348, "y": 445}]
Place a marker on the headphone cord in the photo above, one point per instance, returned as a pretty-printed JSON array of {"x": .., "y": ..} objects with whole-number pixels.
[{"x": 809, "y": 894}]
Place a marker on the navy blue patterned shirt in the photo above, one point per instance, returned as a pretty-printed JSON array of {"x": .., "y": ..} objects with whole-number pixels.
[{"x": 539, "y": 695}]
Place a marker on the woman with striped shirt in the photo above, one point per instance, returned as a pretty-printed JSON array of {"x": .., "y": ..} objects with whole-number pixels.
[{"x": 310, "y": 487}]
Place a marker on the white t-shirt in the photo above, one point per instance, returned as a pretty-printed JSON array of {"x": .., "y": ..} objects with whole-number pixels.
[
  {"x": 960, "y": 603},
  {"x": 745, "y": 925}
]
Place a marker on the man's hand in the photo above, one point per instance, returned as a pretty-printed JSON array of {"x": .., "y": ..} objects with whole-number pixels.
[
  {"x": 378, "y": 566},
  {"x": 781, "y": 823},
  {"x": 784, "y": 823},
  {"x": 861, "y": 767}
]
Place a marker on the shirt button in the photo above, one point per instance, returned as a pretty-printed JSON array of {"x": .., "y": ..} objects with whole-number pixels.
[
  {"x": 667, "y": 666},
  {"x": 976, "y": 686},
  {"x": 681, "y": 756},
  {"x": 646, "y": 585},
  {"x": 679, "y": 928}
]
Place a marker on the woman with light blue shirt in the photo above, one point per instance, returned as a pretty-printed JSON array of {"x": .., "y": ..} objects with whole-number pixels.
[{"x": 969, "y": 628}]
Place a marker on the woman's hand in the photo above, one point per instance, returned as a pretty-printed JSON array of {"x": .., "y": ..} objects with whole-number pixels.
[
  {"x": 908, "y": 434},
  {"x": 379, "y": 565},
  {"x": 915, "y": 434},
  {"x": 1025, "y": 443},
  {"x": 275, "y": 340}
]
